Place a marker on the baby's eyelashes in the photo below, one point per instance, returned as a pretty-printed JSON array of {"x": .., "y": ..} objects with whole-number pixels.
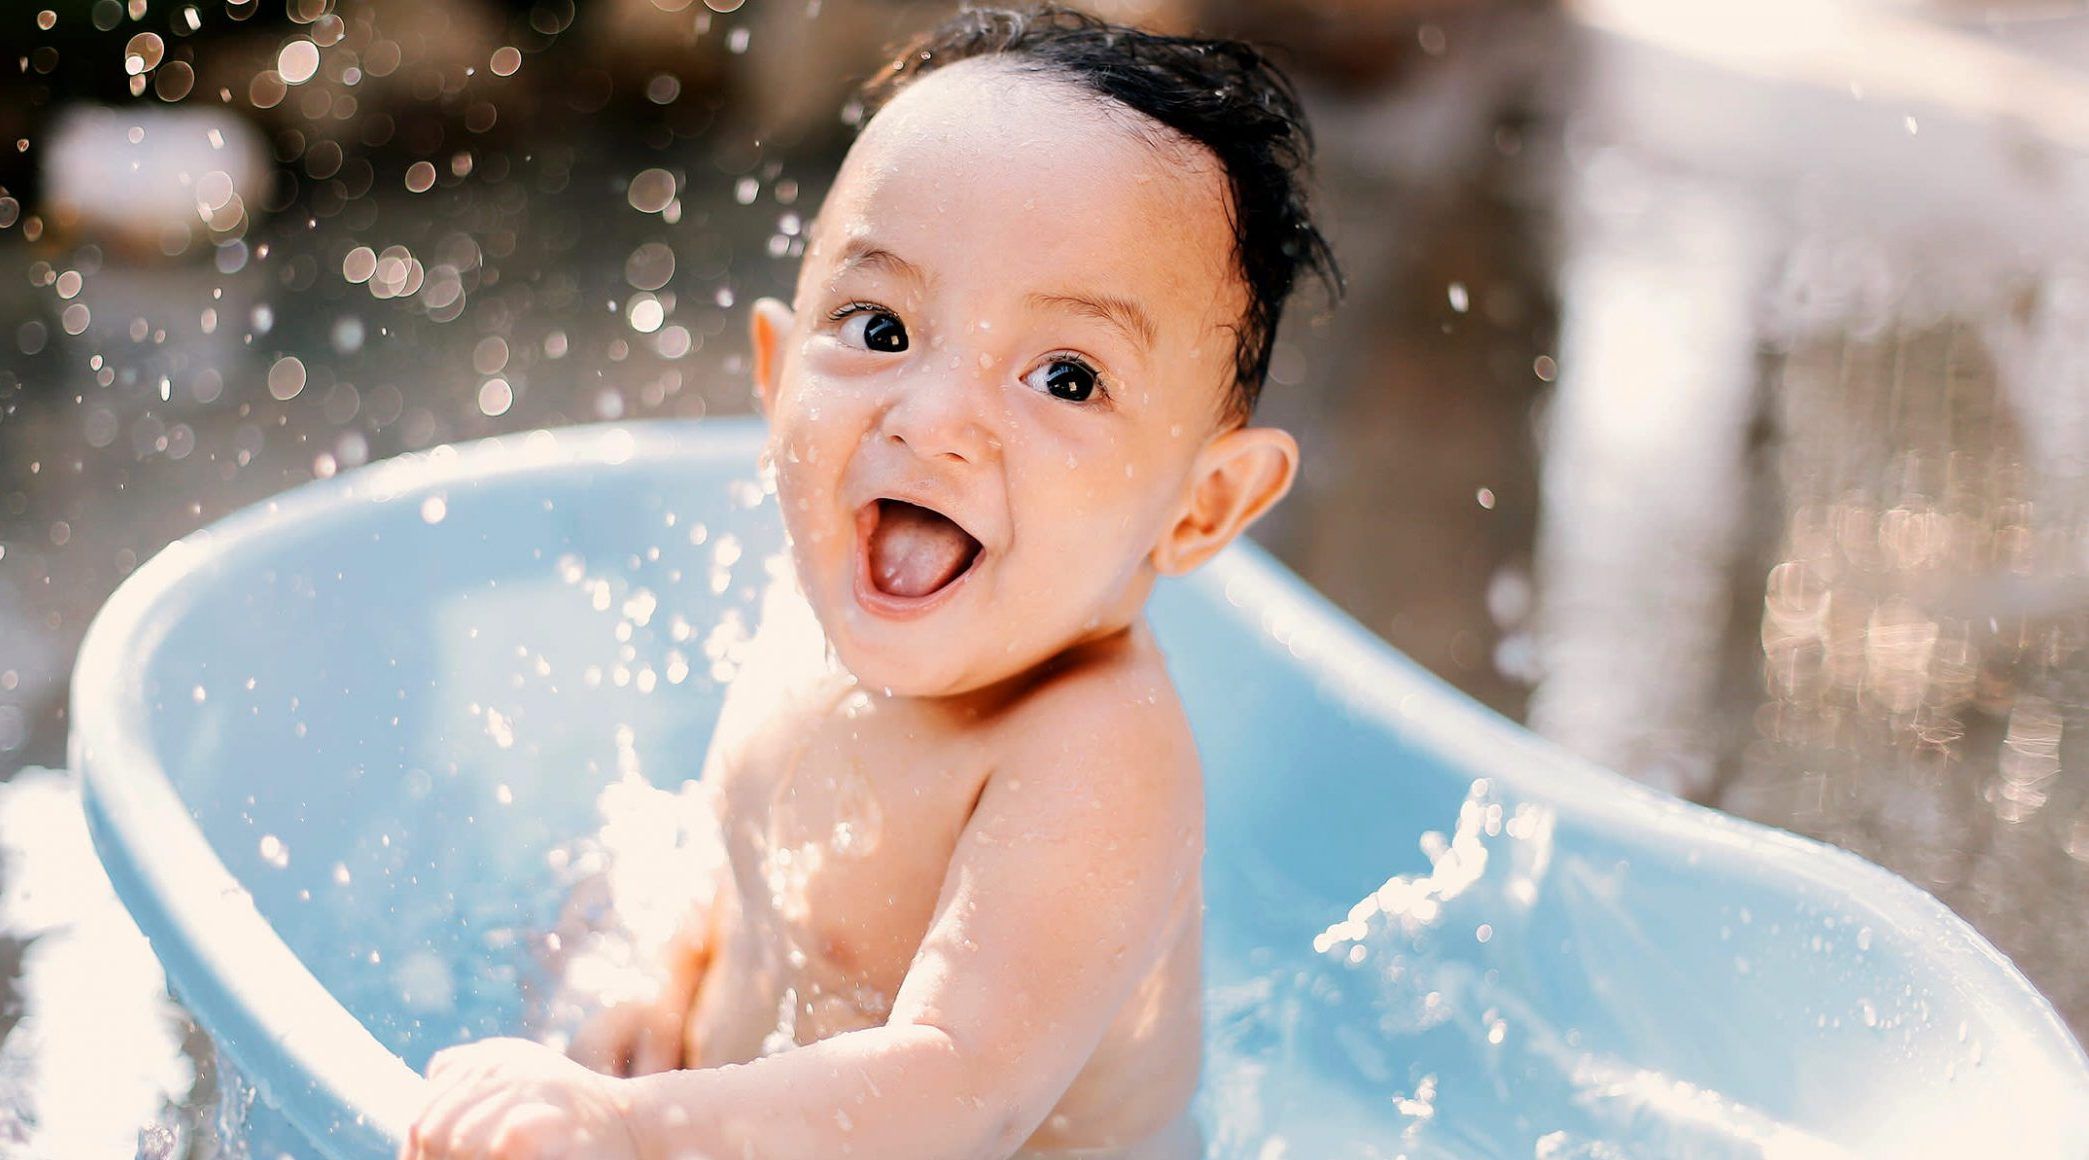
[
  {"x": 869, "y": 327},
  {"x": 1063, "y": 375},
  {"x": 1066, "y": 377}
]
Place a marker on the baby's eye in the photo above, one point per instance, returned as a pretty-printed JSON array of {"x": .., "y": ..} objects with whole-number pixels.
[
  {"x": 874, "y": 329},
  {"x": 1065, "y": 378}
]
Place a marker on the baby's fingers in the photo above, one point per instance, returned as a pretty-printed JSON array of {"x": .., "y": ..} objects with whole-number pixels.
[
  {"x": 454, "y": 1078},
  {"x": 434, "y": 1131},
  {"x": 536, "y": 1132},
  {"x": 475, "y": 1127},
  {"x": 452, "y": 1065}
]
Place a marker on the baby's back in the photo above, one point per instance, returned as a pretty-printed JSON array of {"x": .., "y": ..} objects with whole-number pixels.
[{"x": 842, "y": 814}]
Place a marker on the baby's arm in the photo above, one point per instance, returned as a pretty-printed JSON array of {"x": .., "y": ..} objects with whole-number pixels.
[
  {"x": 1067, "y": 885},
  {"x": 1063, "y": 892}
]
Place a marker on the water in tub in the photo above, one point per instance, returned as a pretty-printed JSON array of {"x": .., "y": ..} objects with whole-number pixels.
[
  {"x": 1461, "y": 1054},
  {"x": 1457, "y": 1054},
  {"x": 95, "y": 1067}
]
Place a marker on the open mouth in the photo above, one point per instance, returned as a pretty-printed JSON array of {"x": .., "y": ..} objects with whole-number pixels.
[{"x": 913, "y": 552}]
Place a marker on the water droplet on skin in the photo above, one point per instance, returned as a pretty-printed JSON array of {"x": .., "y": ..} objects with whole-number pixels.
[{"x": 860, "y": 826}]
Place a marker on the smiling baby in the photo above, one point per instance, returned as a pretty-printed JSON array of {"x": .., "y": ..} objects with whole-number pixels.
[{"x": 1013, "y": 389}]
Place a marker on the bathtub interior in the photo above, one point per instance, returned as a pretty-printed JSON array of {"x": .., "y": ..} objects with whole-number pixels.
[
  {"x": 387, "y": 700},
  {"x": 1653, "y": 978},
  {"x": 399, "y": 719}
]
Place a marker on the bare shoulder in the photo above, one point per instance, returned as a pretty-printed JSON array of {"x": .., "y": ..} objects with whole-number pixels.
[
  {"x": 783, "y": 684},
  {"x": 1110, "y": 728}
]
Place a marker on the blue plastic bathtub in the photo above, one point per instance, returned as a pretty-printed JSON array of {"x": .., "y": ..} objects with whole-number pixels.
[{"x": 328, "y": 744}]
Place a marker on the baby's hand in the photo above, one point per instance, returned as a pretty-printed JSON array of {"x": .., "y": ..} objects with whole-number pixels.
[{"x": 510, "y": 1099}]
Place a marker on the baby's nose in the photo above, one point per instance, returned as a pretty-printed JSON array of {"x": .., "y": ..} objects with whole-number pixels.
[{"x": 941, "y": 415}]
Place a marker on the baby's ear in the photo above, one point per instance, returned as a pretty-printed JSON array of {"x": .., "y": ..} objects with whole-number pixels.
[
  {"x": 770, "y": 322},
  {"x": 1237, "y": 477}
]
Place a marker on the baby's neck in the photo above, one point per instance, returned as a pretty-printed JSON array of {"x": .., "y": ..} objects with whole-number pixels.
[{"x": 986, "y": 702}]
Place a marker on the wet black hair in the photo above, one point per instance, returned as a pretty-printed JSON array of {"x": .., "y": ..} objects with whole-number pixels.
[{"x": 1222, "y": 95}]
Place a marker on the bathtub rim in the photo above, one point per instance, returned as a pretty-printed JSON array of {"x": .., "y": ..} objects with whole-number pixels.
[
  {"x": 252, "y": 995},
  {"x": 260, "y": 1004}
]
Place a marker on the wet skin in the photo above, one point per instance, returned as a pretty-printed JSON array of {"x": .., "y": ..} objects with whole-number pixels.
[
  {"x": 843, "y": 814},
  {"x": 961, "y": 805}
]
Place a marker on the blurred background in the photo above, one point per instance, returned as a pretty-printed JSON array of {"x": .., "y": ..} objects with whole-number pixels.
[{"x": 1712, "y": 392}]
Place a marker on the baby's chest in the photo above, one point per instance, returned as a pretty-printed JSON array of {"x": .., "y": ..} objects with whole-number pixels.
[{"x": 841, "y": 835}]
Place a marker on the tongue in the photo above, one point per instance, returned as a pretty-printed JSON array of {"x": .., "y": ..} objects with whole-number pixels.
[{"x": 914, "y": 551}]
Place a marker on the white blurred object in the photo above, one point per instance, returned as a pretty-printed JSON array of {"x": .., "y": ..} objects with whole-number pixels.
[
  {"x": 97, "y": 1055},
  {"x": 1645, "y": 453},
  {"x": 153, "y": 180}
]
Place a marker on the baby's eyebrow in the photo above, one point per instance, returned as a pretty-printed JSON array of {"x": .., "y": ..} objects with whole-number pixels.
[
  {"x": 867, "y": 255},
  {"x": 1122, "y": 313}
]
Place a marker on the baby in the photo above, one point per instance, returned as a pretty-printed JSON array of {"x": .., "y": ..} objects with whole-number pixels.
[{"x": 1012, "y": 390}]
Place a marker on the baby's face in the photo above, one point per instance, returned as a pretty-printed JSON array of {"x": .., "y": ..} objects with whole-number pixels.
[{"x": 1010, "y": 343}]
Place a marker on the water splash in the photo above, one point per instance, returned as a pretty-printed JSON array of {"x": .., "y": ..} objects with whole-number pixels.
[
  {"x": 630, "y": 887},
  {"x": 1441, "y": 974}
]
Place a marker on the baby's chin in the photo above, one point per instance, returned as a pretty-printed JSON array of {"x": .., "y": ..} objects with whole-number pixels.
[{"x": 921, "y": 667}]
